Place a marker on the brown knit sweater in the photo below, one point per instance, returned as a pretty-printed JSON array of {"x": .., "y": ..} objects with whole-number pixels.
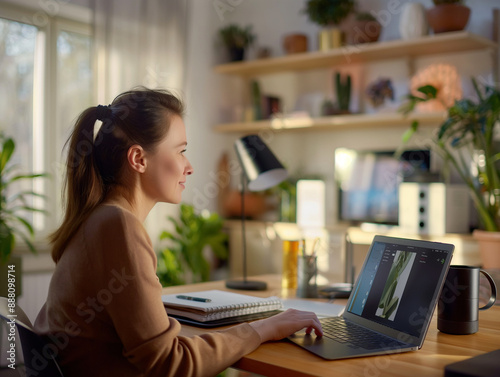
[{"x": 105, "y": 315}]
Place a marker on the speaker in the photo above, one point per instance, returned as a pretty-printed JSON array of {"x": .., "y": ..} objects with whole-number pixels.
[{"x": 433, "y": 208}]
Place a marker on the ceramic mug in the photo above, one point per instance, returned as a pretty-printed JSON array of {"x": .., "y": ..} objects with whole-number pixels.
[{"x": 458, "y": 306}]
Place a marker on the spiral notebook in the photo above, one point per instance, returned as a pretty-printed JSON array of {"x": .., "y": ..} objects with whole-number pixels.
[{"x": 214, "y": 305}]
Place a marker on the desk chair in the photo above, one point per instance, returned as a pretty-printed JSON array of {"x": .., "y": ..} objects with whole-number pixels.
[{"x": 37, "y": 353}]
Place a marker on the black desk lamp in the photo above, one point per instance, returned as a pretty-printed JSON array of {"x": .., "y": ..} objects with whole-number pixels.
[{"x": 261, "y": 170}]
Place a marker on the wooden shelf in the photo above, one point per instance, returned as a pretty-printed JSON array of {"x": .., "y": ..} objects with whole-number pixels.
[
  {"x": 335, "y": 122},
  {"x": 429, "y": 45}
]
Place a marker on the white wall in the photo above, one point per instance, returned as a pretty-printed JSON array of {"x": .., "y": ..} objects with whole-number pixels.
[{"x": 214, "y": 98}]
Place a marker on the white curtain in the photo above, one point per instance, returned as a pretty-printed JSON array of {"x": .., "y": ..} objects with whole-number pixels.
[{"x": 141, "y": 42}]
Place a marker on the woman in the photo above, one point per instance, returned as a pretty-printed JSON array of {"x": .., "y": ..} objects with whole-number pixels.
[{"x": 104, "y": 310}]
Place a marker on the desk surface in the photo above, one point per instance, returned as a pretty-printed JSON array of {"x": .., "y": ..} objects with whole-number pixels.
[{"x": 285, "y": 359}]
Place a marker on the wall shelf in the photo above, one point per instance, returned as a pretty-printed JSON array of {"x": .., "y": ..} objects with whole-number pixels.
[
  {"x": 337, "y": 122},
  {"x": 434, "y": 44}
]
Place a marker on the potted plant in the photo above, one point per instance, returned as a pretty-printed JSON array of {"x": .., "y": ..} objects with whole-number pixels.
[
  {"x": 466, "y": 139},
  {"x": 364, "y": 28},
  {"x": 236, "y": 39},
  {"x": 329, "y": 14},
  {"x": 448, "y": 15},
  {"x": 13, "y": 208},
  {"x": 186, "y": 246}
]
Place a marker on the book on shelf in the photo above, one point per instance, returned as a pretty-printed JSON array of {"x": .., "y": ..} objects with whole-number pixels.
[{"x": 214, "y": 305}]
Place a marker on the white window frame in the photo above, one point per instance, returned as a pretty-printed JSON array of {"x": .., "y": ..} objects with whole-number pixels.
[{"x": 51, "y": 17}]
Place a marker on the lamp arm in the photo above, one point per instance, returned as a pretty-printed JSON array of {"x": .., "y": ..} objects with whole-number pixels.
[{"x": 243, "y": 232}]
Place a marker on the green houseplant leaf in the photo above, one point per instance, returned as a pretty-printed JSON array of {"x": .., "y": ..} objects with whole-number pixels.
[
  {"x": 13, "y": 206},
  {"x": 183, "y": 249},
  {"x": 466, "y": 133}
]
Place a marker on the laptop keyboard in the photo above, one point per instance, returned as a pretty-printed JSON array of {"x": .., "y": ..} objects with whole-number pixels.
[{"x": 338, "y": 329}]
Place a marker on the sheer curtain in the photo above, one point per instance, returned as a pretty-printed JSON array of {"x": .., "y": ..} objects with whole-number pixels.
[{"x": 140, "y": 42}]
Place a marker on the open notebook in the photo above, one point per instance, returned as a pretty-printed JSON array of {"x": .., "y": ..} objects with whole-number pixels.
[{"x": 216, "y": 305}]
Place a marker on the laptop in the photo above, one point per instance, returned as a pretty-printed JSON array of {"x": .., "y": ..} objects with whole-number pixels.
[{"x": 391, "y": 304}]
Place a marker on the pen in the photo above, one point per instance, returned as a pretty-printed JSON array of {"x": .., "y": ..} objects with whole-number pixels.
[{"x": 182, "y": 297}]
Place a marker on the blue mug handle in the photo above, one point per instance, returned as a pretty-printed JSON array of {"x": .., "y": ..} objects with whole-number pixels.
[{"x": 493, "y": 295}]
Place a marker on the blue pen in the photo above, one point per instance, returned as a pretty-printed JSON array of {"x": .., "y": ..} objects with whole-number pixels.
[{"x": 182, "y": 297}]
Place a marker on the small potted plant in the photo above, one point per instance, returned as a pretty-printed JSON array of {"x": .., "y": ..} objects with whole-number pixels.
[
  {"x": 466, "y": 139},
  {"x": 329, "y": 14},
  {"x": 237, "y": 39},
  {"x": 364, "y": 28},
  {"x": 448, "y": 15}
]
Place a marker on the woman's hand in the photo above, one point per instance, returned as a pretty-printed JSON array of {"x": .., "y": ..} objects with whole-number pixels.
[{"x": 284, "y": 324}]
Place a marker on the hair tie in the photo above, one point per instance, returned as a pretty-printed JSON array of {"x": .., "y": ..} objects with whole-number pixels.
[{"x": 103, "y": 112}]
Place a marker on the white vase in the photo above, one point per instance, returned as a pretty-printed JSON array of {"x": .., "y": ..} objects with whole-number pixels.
[{"x": 413, "y": 22}]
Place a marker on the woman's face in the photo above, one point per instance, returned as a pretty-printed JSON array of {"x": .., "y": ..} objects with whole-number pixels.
[{"x": 167, "y": 167}]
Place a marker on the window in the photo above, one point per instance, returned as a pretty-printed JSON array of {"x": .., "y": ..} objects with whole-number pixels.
[{"x": 46, "y": 80}]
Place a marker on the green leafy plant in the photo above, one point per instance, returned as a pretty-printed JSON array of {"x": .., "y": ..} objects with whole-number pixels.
[
  {"x": 388, "y": 303},
  {"x": 365, "y": 16},
  {"x": 13, "y": 204},
  {"x": 439, "y": 2},
  {"x": 343, "y": 88},
  {"x": 236, "y": 36},
  {"x": 185, "y": 247},
  {"x": 466, "y": 139},
  {"x": 328, "y": 12}
]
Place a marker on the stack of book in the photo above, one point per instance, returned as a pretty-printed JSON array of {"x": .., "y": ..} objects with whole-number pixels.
[{"x": 217, "y": 308}]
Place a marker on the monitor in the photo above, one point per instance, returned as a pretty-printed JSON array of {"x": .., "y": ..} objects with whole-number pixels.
[{"x": 368, "y": 182}]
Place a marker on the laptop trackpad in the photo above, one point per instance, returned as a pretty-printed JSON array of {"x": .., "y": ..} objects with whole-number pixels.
[{"x": 325, "y": 347}]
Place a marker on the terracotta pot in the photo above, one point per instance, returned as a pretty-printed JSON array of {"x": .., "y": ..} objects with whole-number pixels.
[
  {"x": 363, "y": 32},
  {"x": 295, "y": 43},
  {"x": 448, "y": 17},
  {"x": 489, "y": 248}
]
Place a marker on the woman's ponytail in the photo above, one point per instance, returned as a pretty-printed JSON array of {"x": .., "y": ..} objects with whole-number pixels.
[{"x": 83, "y": 189}]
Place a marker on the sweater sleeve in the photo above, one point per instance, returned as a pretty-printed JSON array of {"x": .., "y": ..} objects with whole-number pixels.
[{"x": 127, "y": 268}]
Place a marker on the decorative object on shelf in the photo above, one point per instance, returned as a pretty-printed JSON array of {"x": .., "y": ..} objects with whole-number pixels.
[
  {"x": 448, "y": 15},
  {"x": 363, "y": 28},
  {"x": 261, "y": 171},
  {"x": 413, "y": 21},
  {"x": 329, "y": 14},
  {"x": 466, "y": 139},
  {"x": 295, "y": 43},
  {"x": 184, "y": 255},
  {"x": 328, "y": 108},
  {"x": 379, "y": 91},
  {"x": 271, "y": 105},
  {"x": 256, "y": 100},
  {"x": 343, "y": 90},
  {"x": 236, "y": 40},
  {"x": 445, "y": 78},
  {"x": 264, "y": 53}
]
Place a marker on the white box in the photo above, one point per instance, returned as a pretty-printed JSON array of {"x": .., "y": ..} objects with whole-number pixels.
[
  {"x": 311, "y": 203},
  {"x": 433, "y": 208}
]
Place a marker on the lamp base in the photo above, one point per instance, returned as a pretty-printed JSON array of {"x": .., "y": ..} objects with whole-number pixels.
[{"x": 246, "y": 285}]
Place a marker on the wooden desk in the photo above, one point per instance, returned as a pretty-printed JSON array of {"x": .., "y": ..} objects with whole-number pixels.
[{"x": 285, "y": 359}]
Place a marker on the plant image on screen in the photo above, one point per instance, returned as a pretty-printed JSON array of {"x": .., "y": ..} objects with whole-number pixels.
[{"x": 394, "y": 285}]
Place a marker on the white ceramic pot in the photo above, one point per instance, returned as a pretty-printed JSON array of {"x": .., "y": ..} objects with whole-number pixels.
[{"x": 413, "y": 22}]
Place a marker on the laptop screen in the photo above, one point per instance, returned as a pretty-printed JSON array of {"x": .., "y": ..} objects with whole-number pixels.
[{"x": 398, "y": 284}]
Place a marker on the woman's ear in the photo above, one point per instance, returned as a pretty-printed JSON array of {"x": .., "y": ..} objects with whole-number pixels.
[{"x": 136, "y": 158}]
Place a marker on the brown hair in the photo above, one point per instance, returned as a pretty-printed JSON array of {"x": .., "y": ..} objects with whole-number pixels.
[{"x": 141, "y": 116}]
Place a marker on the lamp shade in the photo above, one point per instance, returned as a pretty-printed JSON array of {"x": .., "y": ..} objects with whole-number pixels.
[{"x": 260, "y": 166}]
